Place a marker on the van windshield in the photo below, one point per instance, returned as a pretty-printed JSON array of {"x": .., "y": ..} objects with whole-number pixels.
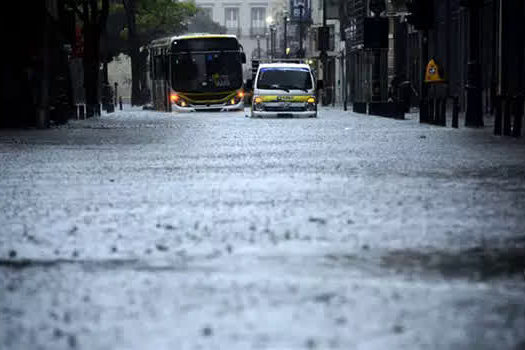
[{"x": 275, "y": 78}]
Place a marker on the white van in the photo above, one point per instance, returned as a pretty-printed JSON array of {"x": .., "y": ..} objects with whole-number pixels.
[{"x": 284, "y": 90}]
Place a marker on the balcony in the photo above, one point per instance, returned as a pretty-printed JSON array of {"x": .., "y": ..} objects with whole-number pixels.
[
  {"x": 254, "y": 31},
  {"x": 234, "y": 30}
]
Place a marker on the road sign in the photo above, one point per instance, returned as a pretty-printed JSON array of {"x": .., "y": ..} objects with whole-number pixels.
[
  {"x": 300, "y": 11},
  {"x": 433, "y": 73}
]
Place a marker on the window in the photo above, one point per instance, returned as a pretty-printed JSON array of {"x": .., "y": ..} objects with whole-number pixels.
[
  {"x": 231, "y": 19},
  {"x": 158, "y": 67},
  {"x": 332, "y": 38},
  {"x": 258, "y": 21},
  {"x": 284, "y": 79}
]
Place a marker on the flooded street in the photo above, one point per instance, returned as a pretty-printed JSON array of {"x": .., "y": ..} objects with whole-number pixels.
[{"x": 148, "y": 230}]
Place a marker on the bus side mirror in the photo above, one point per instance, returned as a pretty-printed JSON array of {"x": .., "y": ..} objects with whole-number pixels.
[
  {"x": 249, "y": 84},
  {"x": 320, "y": 85},
  {"x": 243, "y": 57}
]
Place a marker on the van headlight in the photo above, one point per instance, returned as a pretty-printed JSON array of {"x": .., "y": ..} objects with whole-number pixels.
[
  {"x": 311, "y": 104},
  {"x": 258, "y": 103}
]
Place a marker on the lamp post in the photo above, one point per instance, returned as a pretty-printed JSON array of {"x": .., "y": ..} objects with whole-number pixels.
[
  {"x": 285, "y": 46},
  {"x": 324, "y": 54},
  {"x": 267, "y": 36},
  {"x": 301, "y": 8},
  {"x": 258, "y": 46},
  {"x": 269, "y": 47},
  {"x": 272, "y": 39}
]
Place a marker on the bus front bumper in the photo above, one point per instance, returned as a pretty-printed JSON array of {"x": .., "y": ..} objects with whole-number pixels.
[
  {"x": 201, "y": 108},
  {"x": 284, "y": 114}
]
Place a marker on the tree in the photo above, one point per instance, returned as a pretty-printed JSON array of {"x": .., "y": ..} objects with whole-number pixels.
[
  {"x": 93, "y": 14},
  {"x": 146, "y": 20},
  {"x": 204, "y": 24}
]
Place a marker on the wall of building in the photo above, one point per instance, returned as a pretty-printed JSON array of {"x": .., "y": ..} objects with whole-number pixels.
[{"x": 36, "y": 84}]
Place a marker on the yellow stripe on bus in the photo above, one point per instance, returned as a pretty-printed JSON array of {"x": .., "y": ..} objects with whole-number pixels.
[{"x": 224, "y": 99}]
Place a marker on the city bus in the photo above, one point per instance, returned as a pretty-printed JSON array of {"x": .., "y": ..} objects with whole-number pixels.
[{"x": 197, "y": 72}]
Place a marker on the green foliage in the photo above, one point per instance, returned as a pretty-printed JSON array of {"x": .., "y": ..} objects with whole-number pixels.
[
  {"x": 154, "y": 19},
  {"x": 163, "y": 17}
]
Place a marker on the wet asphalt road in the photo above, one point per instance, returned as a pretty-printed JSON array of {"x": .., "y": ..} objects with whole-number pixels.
[{"x": 143, "y": 230}]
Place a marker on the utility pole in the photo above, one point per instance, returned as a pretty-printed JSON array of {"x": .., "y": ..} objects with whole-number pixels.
[{"x": 474, "y": 113}]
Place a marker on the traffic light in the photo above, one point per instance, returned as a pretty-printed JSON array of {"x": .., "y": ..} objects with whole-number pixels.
[{"x": 421, "y": 14}]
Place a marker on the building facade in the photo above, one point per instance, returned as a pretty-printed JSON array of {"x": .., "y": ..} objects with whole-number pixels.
[
  {"x": 478, "y": 44},
  {"x": 332, "y": 72}
]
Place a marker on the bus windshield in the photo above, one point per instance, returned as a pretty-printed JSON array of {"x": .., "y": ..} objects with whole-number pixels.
[
  {"x": 206, "y": 71},
  {"x": 204, "y": 44},
  {"x": 284, "y": 79}
]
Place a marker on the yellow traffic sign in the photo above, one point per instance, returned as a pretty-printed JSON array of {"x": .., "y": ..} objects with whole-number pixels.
[{"x": 433, "y": 73}]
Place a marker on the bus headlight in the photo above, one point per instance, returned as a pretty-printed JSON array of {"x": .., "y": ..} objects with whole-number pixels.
[
  {"x": 239, "y": 97},
  {"x": 179, "y": 101},
  {"x": 174, "y": 98}
]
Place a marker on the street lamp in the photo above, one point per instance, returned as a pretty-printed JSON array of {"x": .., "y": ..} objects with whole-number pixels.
[
  {"x": 301, "y": 9},
  {"x": 269, "y": 22},
  {"x": 272, "y": 40},
  {"x": 258, "y": 46},
  {"x": 285, "y": 46}
]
